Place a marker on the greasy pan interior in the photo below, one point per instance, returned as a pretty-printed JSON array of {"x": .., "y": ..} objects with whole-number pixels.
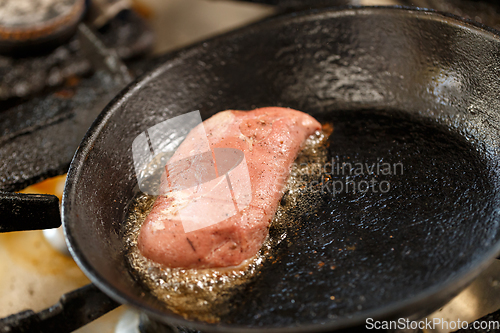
[{"x": 401, "y": 86}]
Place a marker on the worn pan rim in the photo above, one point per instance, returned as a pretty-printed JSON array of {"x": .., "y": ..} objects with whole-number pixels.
[{"x": 443, "y": 290}]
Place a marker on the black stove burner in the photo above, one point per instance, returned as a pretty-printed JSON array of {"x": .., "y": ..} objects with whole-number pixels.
[
  {"x": 47, "y": 102},
  {"x": 25, "y": 24}
]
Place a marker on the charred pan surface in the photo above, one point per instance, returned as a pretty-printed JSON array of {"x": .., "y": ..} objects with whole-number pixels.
[{"x": 329, "y": 261}]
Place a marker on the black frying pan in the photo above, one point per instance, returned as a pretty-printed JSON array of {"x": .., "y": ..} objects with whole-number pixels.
[{"x": 401, "y": 86}]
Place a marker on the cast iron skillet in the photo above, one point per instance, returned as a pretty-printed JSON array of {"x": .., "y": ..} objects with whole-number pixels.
[{"x": 401, "y": 85}]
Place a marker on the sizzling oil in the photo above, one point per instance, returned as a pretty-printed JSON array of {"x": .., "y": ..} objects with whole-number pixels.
[{"x": 204, "y": 294}]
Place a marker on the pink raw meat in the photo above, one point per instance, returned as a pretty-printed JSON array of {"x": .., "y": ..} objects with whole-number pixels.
[{"x": 212, "y": 211}]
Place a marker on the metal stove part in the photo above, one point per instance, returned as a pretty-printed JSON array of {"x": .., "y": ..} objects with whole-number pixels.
[
  {"x": 103, "y": 58},
  {"x": 74, "y": 310},
  {"x": 43, "y": 134},
  {"x": 128, "y": 34},
  {"x": 24, "y": 14},
  {"x": 39, "y": 137},
  {"x": 102, "y": 11},
  {"x": 40, "y": 23},
  {"x": 486, "y": 12},
  {"x": 21, "y": 78}
]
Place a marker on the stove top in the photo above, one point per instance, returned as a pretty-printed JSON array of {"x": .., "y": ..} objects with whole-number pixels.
[{"x": 49, "y": 100}]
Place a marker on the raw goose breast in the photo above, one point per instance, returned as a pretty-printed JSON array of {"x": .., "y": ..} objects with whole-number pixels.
[{"x": 216, "y": 202}]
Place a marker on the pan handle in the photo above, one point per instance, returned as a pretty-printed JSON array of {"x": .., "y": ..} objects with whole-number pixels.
[
  {"x": 73, "y": 310},
  {"x": 20, "y": 211}
]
